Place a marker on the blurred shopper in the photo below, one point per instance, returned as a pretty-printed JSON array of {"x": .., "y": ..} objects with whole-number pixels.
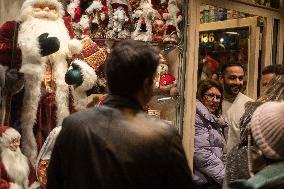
[
  {"x": 268, "y": 73},
  {"x": 237, "y": 162},
  {"x": 233, "y": 105},
  {"x": 209, "y": 168},
  {"x": 116, "y": 145},
  {"x": 267, "y": 131}
]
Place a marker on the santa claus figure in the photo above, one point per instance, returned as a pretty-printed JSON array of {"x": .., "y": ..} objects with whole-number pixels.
[
  {"x": 173, "y": 16},
  {"x": 119, "y": 19},
  {"x": 16, "y": 170},
  {"x": 44, "y": 47},
  {"x": 144, "y": 16},
  {"x": 99, "y": 18}
]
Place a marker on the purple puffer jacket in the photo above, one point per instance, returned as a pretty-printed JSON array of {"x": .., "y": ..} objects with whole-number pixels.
[{"x": 208, "y": 144}]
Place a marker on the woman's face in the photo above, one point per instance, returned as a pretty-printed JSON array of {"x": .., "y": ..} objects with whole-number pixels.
[{"x": 211, "y": 99}]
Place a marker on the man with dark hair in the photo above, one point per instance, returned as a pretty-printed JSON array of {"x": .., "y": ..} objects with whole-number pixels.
[
  {"x": 269, "y": 72},
  {"x": 232, "y": 78},
  {"x": 233, "y": 105},
  {"x": 116, "y": 145}
]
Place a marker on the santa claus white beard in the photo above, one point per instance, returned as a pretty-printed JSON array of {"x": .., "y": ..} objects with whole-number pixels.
[
  {"x": 34, "y": 27},
  {"x": 16, "y": 165}
]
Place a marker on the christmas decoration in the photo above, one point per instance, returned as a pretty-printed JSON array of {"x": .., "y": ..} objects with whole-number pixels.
[
  {"x": 98, "y": 13},
  {"x": 165, "y": 80},
  {"x": 84, "y": 26},
  {"x": 172, "y": 17},
  {"x": 144, "y": 17},
  {"x": 45, "y": 43},
  {"x": 16, "y": 170},
  {"x": 119, "y": 19}
]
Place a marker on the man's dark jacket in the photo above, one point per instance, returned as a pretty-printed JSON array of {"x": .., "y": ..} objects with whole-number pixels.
[{"x": 103, "y": 148}]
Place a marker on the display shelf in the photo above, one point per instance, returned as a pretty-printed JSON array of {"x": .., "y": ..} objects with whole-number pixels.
[
  {"x": 246, "y": 2},
  {"x": 154, "y": 43}
]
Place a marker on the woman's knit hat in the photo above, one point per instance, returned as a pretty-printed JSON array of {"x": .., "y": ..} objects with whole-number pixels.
[{"x": 267, "y": 127}]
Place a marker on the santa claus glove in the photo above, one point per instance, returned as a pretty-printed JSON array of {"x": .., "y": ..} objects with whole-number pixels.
[
  {"x": 48, "y": 45},
  {"x": 14, "y": 81},
  {"x": 74, "y": 75}
]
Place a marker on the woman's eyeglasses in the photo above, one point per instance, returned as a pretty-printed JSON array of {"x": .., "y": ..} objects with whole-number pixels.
[{"x": 211, "y": 97}]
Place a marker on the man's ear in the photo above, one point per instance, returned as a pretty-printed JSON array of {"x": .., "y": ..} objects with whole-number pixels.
[{"x": 148, "y": 84}]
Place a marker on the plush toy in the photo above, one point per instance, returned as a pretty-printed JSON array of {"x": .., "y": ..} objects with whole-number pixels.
[
  {"x": 165, "y": 80},
  {"x": 84, "y": 26},
  {"x": 16, "y": 170},
  {"x": 144, "y": 16},
  {"x": 95, "y": 57},
  {"x": 99, "y": 18},
  {"x": 119, "y": 19},
  {"x": 158, "y": 30},
  {"x": 75, "y": 12},
  {"x": 173, "y": 17}
]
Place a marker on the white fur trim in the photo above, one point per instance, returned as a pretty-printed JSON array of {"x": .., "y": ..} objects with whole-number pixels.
[
  {"x": 75, "y": 46},
  {"x": 62, "y": 92},
  {"x": 34, "y": 185},
  {"x": 30, "y": 48},
  {"x": 14, "y": 186},
  {"x": 28, "y": 4},
  {"x": 89, "y": 80},
  {"x": 33, "y": 79},
  {"x": 89, "y": 76}
]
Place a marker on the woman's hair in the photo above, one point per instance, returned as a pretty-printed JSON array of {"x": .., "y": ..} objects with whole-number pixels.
[
  {"x": 273, "y": 92},
  {"x": 204, "y": 85}
]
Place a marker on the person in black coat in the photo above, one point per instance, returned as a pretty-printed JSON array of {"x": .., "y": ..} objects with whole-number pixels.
[{"x": 117, "y": 145}]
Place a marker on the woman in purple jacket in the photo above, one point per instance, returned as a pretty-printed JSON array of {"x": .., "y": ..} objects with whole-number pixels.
[{"x": 209, "y": 141}]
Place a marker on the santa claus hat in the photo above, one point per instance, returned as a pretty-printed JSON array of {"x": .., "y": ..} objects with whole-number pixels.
[
  {"x": 28, "y": 4},
  {"x": 7, "y": 134}
]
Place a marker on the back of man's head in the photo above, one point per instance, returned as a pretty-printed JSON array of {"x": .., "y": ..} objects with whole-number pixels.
[
  {"x": 128, "y": 65},
  {"x": 276, "y": 69}
]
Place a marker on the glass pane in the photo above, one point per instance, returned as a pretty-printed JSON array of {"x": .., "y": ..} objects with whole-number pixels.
[{"x": 218, "y": 47}]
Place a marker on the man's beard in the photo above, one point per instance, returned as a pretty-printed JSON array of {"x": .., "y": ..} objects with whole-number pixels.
[
  {"x": 33, "y": 27},
  {"x": 232, "y": 89},
  {"x": 16, "y": 165}
]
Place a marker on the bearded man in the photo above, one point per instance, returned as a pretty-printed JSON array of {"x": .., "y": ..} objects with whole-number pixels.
[
  {"x": 233, "y": 105},
  {"x": 44, "y": 45},
  {"x": 16, "y": 170}
]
